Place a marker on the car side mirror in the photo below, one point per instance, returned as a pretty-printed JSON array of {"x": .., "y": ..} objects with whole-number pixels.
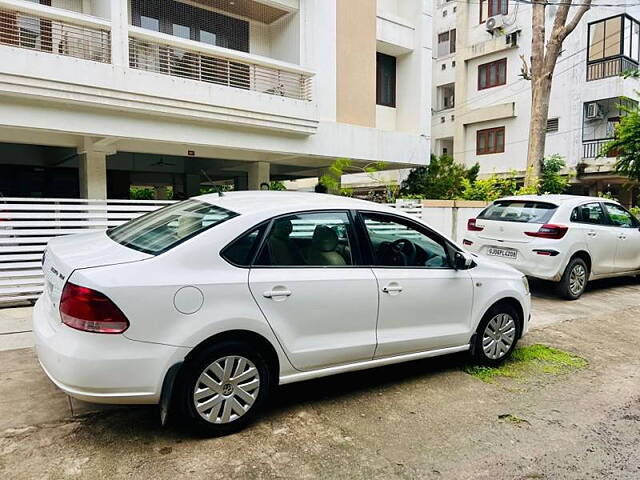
[{"x": 462, "y": 261}]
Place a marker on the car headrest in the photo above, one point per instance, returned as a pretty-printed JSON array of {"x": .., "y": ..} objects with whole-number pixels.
[
  {"x": 282, "y": 229},
  {"x": 324, "y": 239}
]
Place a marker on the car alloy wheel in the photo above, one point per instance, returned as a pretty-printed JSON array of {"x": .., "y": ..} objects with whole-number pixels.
[
  {"x": 577, "y": 279},
  {"x": 226, "y": 389},
  {"x": 499, "y": 336}
]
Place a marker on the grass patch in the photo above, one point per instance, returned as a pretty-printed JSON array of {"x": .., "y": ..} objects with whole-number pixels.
[{"x": 534, "y": 360}]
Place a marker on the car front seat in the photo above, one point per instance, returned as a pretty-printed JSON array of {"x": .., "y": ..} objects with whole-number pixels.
[{"x": 323, "y": 248}]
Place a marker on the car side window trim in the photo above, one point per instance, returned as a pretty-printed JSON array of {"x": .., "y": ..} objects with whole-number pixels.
[
  {"x": 351, "y": 234},
  {"x": 449, "y": 247},
  {"x": 264, "y": 226}
]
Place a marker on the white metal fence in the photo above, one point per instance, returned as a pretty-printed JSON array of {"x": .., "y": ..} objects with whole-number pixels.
[{"x": 27, "y": 224}]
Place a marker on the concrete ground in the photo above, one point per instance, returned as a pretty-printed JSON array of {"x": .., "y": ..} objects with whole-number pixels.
[{"x": 425, "y": 419}]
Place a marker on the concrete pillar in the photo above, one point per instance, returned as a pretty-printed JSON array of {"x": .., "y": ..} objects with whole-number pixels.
[
  {"x": 119, "y": 15},
  {"x": 258, "y": 173},
  {"x": 92, "y": 172}
]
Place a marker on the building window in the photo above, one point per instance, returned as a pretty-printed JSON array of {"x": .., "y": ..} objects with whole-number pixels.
[
  {"x": 491, "y": 8},
  {"x": 490, "y": 140},
  {"x": 446, "y": 43},
  {"x": 553, "y": 125},
  {"x": 192, "y": 23},
  {"x": 492, "y": 74},
  {"x": 386, "y": 80}
]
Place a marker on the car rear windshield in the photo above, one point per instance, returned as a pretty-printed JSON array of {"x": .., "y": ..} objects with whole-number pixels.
[
  {"x": 163, "y": 229},
  {"x": 519, "y": 211}
]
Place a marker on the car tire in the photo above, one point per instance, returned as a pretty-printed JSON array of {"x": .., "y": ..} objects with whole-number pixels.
[
  {"x": 574, "y": 279},
  {"x": 497, "y": 335},
  {"x": 222, "y": 388}
]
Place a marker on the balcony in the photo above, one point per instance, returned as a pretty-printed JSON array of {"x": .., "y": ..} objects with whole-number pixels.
[
  {"x": 600, "y": 119},
  {"x": 614, "y": 47},
  {"x": 57, "y": 31},
  {"x": 169, "y": 55},
  {"x": 593, "y": 148}
]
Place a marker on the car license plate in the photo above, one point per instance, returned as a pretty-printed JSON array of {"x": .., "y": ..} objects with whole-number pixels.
[{"x": 503, "y": 252}]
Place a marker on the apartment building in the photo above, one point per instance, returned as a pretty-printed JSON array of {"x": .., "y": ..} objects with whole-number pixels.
[
  {"x": 98, "y": 95},
  {"x": 482, "y": 105}
]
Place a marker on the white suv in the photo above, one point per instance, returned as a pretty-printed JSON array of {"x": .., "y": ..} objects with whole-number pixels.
[
  {"x": 563, "y": 238},
  {"x": 206, "y": 305}
]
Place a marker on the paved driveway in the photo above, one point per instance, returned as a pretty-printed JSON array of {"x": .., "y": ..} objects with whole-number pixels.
[{"x": 425, "y": 419}]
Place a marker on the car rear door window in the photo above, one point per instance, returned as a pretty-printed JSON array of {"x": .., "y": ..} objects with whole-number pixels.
[
  {"x": 522, "y": 211},
  {"x": 163, "y": 229},
  {"x": 590, "y": 213},
  {"x": 620, "y": 217},
  {"x": 396, "y": 243},
  {"x": 322, "y": 239}
]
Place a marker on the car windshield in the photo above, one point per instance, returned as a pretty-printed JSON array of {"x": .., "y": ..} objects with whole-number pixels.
[
  {"x": 167, "y": 227},
  {"x": 519, "y": 211}
]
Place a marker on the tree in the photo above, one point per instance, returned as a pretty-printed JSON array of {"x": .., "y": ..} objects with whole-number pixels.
[
  {"x": 551, "y": 181},
  {"x": 333, "y": 177},
  {"x": 442, "y": 179},
  {"x": 543, "y": 63},
  {"x": 626, "y": 145}
]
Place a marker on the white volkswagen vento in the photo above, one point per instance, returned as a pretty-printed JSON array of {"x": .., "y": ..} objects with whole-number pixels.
[
  {"x": 567, "y": 239},
  {"x": 206, "y": 305}
]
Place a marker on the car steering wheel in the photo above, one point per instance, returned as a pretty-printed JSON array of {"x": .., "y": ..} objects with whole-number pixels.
[{"x": 403, "y": 252}]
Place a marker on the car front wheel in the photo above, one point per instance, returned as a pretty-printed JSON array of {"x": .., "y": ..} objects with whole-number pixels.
[
  {"x": 496, "y": 336},
  {"x": 574, "y": 280},
  {"x": 222, "y": 388}
]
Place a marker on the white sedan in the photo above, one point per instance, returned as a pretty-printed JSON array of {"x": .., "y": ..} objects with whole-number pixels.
[
  {"x": 562, "y": 238},
  {"x": 206, "y": 305}
]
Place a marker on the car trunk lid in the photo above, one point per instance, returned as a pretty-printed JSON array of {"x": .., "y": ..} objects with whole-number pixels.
[{"x": 66, "y": 254}]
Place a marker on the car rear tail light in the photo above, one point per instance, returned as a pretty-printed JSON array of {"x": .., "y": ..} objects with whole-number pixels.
[
  {"x": 90, "y": 311},
  {"x": 554, "y": 232},
  {"x": 472, "y": 227}
]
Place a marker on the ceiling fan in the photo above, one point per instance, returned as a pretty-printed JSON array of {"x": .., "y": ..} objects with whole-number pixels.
[{"x": 162, "y": 163}]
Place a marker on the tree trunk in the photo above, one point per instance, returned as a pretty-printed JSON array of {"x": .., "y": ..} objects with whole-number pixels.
[{"x": 543, "y": 64}]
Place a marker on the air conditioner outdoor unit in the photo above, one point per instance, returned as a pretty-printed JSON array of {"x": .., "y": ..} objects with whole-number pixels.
[
  {"x": 494, "y": 23},
  {"x": 594, "y": 111}
]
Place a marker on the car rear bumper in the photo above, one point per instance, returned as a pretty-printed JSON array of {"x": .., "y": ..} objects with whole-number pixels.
[
  {"x": 100, "y": 368},
  {"x": 528, "y": 261}
]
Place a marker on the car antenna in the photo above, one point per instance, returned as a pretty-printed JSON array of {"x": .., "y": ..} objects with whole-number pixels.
[{"x": 220, "y": 194}]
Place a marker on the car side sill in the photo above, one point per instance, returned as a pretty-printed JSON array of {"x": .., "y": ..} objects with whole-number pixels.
[{"x": 378, "y": 362}]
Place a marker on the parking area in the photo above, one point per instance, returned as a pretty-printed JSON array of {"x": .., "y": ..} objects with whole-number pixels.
[{"x": 426, "y": 419}]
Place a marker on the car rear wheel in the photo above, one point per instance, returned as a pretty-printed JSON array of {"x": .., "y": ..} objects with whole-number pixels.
[
  {"x": 222, "y": 388},
  {"x": 496, "y": 336},
  {"x": 574, "y": 280}
]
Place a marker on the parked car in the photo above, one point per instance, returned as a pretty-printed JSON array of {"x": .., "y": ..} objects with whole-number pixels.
[
  {"x": 562, "y": 238},
  {"x": 206, "y": 305}
]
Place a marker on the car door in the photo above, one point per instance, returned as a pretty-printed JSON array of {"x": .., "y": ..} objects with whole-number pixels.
[
  {"x": 425, "y": 303},
  {"x": 601, "y": 240},
  {"x": 625, "y": 227},
  {"x": 321, "y": 304}
]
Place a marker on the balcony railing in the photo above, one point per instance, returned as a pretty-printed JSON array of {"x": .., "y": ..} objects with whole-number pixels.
[
  {"x": 610, "y": 67},
  {"x": 204, "y": 64},
  {"x": 50, "y": 34},
  {"x": 593, "y": 148}
]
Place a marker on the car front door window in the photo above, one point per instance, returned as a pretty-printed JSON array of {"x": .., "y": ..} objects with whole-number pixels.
[
  {"x": 625, "y": 225},
  {"x": 396, "y": 244}
]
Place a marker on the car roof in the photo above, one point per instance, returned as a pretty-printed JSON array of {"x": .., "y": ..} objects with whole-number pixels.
[
  {"x": 557, "y": 199},
  {"x": 274, "y": 203}
]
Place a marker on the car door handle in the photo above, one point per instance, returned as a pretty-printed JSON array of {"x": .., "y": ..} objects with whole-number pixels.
[
  {"x": 392, "y": 289},
  {"x": 276, "y": 293}
]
